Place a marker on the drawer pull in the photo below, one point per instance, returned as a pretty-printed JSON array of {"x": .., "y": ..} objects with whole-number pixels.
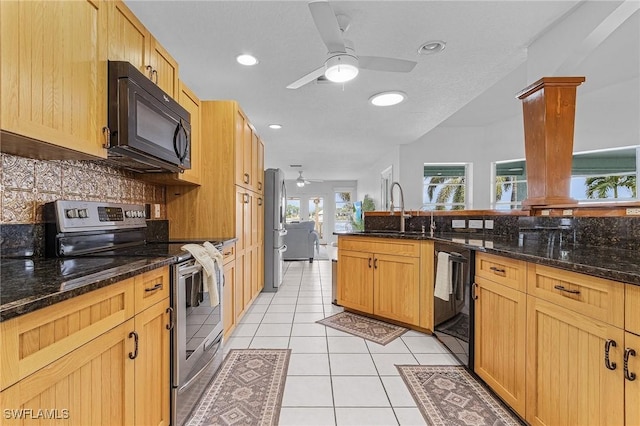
[
  {"x": 154, "y": 288},
  {"x": 227, "y": 253},
  {"x": 498, "y": 270},
  {"x": 566, "y": 290},
  {"x": 134, "y": 354},
  {"x": 607, "y": 345},
  {"x": 628, "y": 374}
]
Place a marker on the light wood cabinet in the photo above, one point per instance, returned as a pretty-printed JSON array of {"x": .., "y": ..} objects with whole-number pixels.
[
  {"x": 130, "y": 41},
  {"x": 229, "y": 269},
  {"x": 632, "y": 387},
  {"x": 500, "y": 339},
  {"x": 568, "y": 382},
  {"x": 632, "y": 308},
  {"x": 92, "y": 385},
  {"x": 260, "y": 167},
  {"x": 90, "y": 355},
  {"x": 54, "y": 75},
  {"x": 374, "y": 279}
]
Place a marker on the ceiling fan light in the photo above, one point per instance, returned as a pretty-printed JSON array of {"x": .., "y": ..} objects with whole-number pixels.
[
  {"x": 341, "y": 68},
  {"x": 300, "y": 183},
  {"x": 387, "y": 98}
]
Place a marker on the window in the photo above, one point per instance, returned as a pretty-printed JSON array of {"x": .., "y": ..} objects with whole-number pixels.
[
  {"x": 510, "y": 185},
  {"x": 344, "y": 211},
  {"x": 444, "y": 186},
  {"x": 293, "y": 210},
  {"x": 606, "y": 175}
]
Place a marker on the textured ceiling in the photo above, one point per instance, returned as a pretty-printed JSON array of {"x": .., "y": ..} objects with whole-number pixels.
[{"x": 329, "y": 128}]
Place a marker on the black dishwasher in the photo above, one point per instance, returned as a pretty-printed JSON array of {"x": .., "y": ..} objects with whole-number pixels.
[{"x": 454, "y": 311}]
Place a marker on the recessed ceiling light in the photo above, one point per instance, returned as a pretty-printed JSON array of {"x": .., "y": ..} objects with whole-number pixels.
[
  {"x": 247, "y": 60},
  {"x": 388, "y": 98},
  {"x": 275, "y": 126},
  {"x": 431, "y": 47}
]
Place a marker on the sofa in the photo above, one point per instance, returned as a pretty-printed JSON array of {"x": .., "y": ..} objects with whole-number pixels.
[{"x": 302, "y": 241}]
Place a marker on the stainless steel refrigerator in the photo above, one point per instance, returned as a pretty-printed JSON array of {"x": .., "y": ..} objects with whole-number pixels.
[{"x": 275, "y": 204}]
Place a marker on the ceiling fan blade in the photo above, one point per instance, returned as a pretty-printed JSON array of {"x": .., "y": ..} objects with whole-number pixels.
[
  {"x": 307, "y": 78},
  {"x": 327, "y": 24},
  {"x": 378, "y": 63}
]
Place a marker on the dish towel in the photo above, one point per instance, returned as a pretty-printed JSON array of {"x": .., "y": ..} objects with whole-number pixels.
[
  {"x": 202, "y": 256},
  {"x": 217, "y": 260},
  {"x": 444, "y": 286}
]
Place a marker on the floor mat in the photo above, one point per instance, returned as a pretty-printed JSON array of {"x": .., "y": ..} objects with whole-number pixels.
[
  {"x": 368, "y": 328},
  {"x": 449, "y": 395},
  {"x": 247, "y": 390}
]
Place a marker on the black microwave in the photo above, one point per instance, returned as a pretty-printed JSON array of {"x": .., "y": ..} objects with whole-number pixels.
[{"x": 149, "y": 132}]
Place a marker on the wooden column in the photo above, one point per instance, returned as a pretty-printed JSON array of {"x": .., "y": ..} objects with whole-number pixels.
[{"x": 549, "y": 107}]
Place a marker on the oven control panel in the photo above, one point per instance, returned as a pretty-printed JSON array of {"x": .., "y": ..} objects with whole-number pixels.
[{"x": 72, "y": 216}]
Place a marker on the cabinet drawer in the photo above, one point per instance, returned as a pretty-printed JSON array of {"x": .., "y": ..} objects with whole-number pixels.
[
  {"x": 228, "y": 253},
  {"x": 151, "y": 287},
  {"x": 632, "y": 308},
  {"x": 380, "y": 245},
  {"x": 594, "y": 297},
  {"x": 34, "y": 340},
  {"x": 502, "y": 270}
]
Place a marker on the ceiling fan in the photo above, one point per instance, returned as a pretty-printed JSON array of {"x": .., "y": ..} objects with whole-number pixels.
[
  {"x": 302, "y": 181},
  {"x": 342, "y": 64}
]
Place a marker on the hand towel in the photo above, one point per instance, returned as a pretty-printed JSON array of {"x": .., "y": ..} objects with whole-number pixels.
[
  {"x": 217, "y": 257},
  {"x": 444, "y": 286},
  {"x": 201, "y": 254}
]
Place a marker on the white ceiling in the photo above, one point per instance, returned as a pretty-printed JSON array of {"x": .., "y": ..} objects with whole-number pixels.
[{"x": 330, "y": 129}]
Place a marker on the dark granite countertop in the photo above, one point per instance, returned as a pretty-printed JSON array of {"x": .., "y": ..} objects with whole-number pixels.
[
  {"x": 28, "y": 284},
  {"x": 604, "y": 262}
]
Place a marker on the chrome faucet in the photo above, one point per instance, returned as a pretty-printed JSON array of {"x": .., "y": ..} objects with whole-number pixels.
[{"x": 402, "y": 215}]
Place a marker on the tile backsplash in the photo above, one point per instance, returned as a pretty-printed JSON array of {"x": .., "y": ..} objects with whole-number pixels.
[{"x": 27, "y": 184}]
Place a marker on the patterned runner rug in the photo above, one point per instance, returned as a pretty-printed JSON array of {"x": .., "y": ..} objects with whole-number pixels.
[
  {"x": 449, "y": 395},
  {"x": 247, "y": 390},
  {"x": 371, "y": 329}
]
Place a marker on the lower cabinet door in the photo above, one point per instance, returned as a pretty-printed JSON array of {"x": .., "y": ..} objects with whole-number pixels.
[
  {"x": 93, "y": 385},
  {"x": 500, "y": 336},
  {"x": 152, "y": 370},
  {"x": 632, "y": 387},
  {"x": 568, "y": 382},
  {"x": 228, "y": 308},
  {"x": 355, "y": 280},
  {"x": 396, "y": 284}
]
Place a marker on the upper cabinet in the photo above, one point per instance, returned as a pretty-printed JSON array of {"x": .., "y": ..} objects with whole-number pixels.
[
  {"x": 54, "y": 73},
  {"x": 130, "y": 41}
]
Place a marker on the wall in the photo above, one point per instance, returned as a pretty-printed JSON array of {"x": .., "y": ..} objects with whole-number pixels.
[
  {"x": 326, "y": 190},
  {"x": 369, "y": 183},
  {"x": 27, "y": 184},
  {"x": 607, "y": 111}
]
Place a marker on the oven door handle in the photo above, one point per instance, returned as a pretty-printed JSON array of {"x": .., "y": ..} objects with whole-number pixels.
[{"x": 184, "y": 271}]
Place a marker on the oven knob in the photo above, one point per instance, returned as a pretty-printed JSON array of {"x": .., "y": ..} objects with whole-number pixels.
[
  {"x": 83, "y": 213},
  {"x": 142, "y": 214},
  {"x": 71, "y": 213},
  {"x": 128, "y": 213}
]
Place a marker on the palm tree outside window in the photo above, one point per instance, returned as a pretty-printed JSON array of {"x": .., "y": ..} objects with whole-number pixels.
[
  {"x": 510, "y": 185},
  {"x": 444, "y": 186}
]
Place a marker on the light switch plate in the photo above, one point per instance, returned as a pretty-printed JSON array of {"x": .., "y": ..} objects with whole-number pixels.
[
  {"x": 475, "y": 223},
  {"x": 156, "y": 211},
  {"x": 633, "y": 212},
  {"x": 488, "y": 224},
  {"x": 458, "y": 223}
]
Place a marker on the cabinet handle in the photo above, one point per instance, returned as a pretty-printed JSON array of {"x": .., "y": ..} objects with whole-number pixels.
[
  {"x": 607, "y": 345},
  {"x": 172, "y": 322},
  {"x": 260, "y": 201},
  {"x": 246, "y": 178},
  {"x": 107, "y": 137},
  {"x": 369, "y": 262},
  {"x": 154, "y": 288},
  {"x": 134, "y": 354},
  {"x": 375, "y": 263},
  {"x": 150, "y": 71},
  {"x": 498, "y": 270},
  {"x": 474, "y": 291},
  {"x": 566, "y": 290},
  {"x": 628, "y": 374},
  {"x": 227, "y": 253},
  {"x": 154, "y": 72},
  {"x": 259, "y": 186},
  {"x": 245, "y": 198}
]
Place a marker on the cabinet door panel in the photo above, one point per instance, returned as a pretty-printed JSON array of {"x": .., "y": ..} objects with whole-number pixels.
[
  {"x": 632, "y": 388},
  {"x": 500, "y": 333},
  {"x": 54, "y": 72},
  {"x": 567, "y": 381},
  {"x": 355, "y": 280},
  {"x": 248, "y": 275},
  {"x": 94, "y": 383},
  {"x": 240, "y": 127},
  {"x": 152, "y": 370},
  {"x": 238, "y": 289},
  {"x": 165, "y": 67},
  {"x": 228, "y": 297},
  {"x": 397, "y": 287},
  {"x": 128, "y": 39}
]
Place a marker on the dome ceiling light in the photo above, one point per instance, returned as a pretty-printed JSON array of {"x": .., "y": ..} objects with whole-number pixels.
[
  {"x": 388, "y": 98},
  {"x": 275, "y": 126},
  {"x": 432, "y": 47},
  {"x": 247, "y": 60}
]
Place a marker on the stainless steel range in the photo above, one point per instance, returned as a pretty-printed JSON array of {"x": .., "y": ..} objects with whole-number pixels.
[{"x": 96, "y": 229}]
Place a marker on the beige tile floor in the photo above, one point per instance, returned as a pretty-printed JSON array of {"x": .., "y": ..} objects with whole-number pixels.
[{"x": 334, "y": 378}]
